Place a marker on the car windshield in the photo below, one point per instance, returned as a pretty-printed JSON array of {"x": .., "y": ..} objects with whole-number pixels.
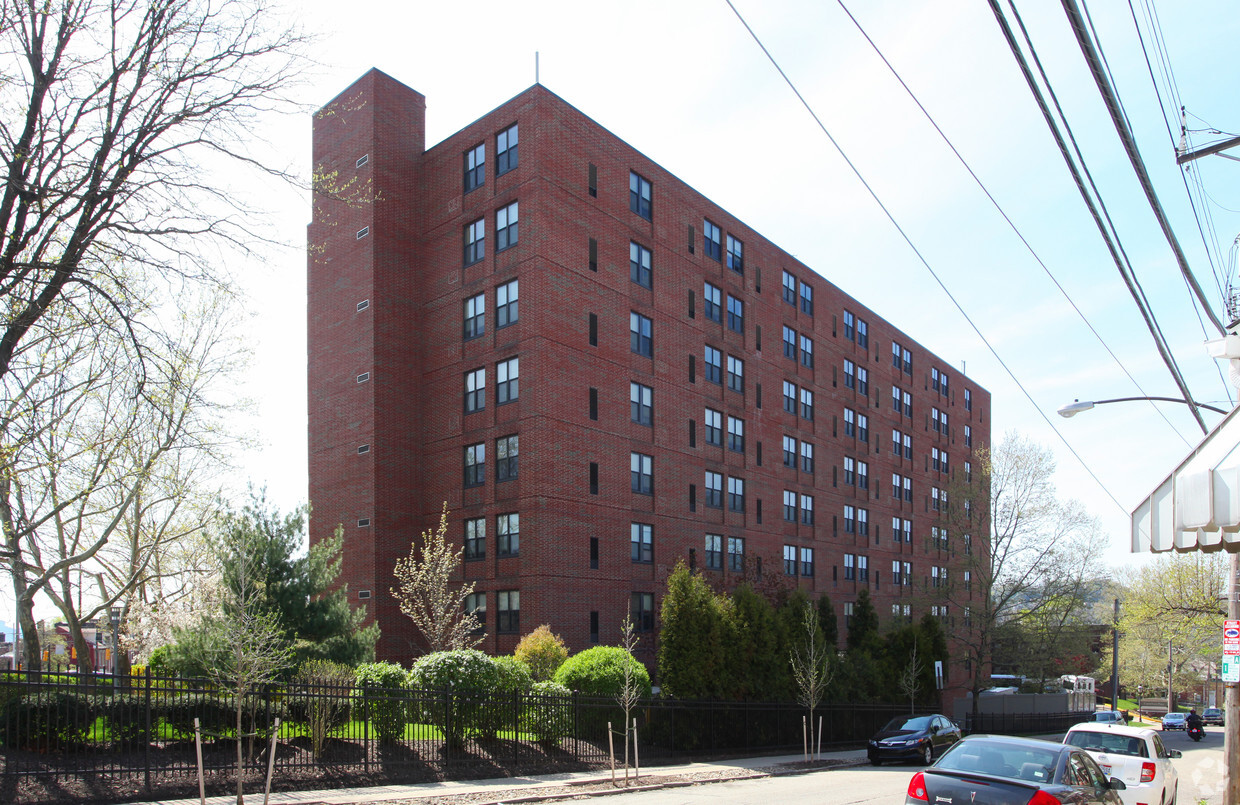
[
  {"x": 1213, "y": 711},
  {"x": 1107, "y": 742},
  {"x": 918, "y": 724},
  {"x": 1174, "y": 717},
  {"x": 1017, "y": 762}
]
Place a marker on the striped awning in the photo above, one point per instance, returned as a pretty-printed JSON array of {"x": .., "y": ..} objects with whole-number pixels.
[{"x": 1197, "y": 506}]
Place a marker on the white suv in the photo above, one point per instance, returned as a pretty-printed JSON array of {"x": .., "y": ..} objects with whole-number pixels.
[{"x": 1135, "y": 755}]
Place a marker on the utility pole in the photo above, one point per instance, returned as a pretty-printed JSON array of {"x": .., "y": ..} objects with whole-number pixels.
[
  {"x": 1170, "y": 692},
  {"x": 1115, "y": 660},
  {"x": 1231, "y": 714}
]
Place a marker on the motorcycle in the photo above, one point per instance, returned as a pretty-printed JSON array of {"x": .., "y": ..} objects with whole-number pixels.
[{"x": 1196, "y": 733}]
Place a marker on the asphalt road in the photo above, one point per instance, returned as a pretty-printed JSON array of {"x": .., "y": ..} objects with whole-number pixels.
[{"x": 1201, "y": 778}]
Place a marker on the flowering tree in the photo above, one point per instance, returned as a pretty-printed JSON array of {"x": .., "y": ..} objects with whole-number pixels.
[{"x": 430, "y": 595}]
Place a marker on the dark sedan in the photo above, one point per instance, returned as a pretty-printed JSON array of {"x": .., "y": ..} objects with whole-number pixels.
[
  {"x": 918, "y": 737},
  {"x": 1001, "y": 770}
]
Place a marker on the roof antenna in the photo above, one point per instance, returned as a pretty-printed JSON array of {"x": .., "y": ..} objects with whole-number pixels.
[{"x": 536, "y": 67}]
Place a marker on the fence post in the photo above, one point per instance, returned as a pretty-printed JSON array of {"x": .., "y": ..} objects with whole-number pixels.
[
  {"x": 516, "y": 726},
  {"x": 366, "y": 727},
  {"x": 447, "y": 720},
  {"x": 146, "y": 754}
]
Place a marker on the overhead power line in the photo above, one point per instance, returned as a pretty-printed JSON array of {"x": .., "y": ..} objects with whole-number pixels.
[
  {"x": 1134, "y": 156},
  {"x": 1012, "y": 224},
  {"x": 1121, "y": 261},
  {"x": 904, "y": 235}
]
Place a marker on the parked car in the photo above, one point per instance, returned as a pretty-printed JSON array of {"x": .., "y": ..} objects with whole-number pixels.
[
  {"x": 1212, "y": 715},
  {"x": 1109, "y": 717},
  {"x": 918, "y": 737},
  {"x": 1002, "y": 770},
  {"x": 1135, "y": 755},
  {"x": 1175, "y": 721}
]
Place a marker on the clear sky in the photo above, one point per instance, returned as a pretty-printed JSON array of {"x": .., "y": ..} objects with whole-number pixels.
[{"x": 684, "y": 83}]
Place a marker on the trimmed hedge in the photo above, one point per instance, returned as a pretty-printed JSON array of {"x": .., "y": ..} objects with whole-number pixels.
[{"x": 382, "y": 686}]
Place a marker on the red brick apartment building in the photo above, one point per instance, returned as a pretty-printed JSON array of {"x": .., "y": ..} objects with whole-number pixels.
[{"x": 602, "y": 373}]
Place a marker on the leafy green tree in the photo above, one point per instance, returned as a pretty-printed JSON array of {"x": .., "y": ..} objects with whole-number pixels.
[
  {"x": 693, "y": 640},
  {"x": 863, "y": 631},
  {"x": 758, "y": 651},
  {"x": 542, "y": 651},
  {"x": 827, "y": 622}
]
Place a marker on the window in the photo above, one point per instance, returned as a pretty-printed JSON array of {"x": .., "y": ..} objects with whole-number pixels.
[
  {"x": 736, "y": 255},
  {"x": 639, "y": 335},
  {"x": 641, "y": 404},
  {"x": 863, "y": 333},
  {"x": 863, "y": 428},
  {"x": 736, "y": 314},
  {"x": 476, "y": 605},
  {"x": 907, "y": 530},
  {"x": 736, "y": 434},
  {"x": 475, "y": 390},
  {"x": 790, "y": 289},
  {"x": 807, "y": 351},
  {"x": 714, "y": 427},
  {"x": 640, "y": 196},
  {"x": 807, "y": 510},
  {"x": 850, "y": 567},
  {"x": 863, "y": 567},
  {"x": 850, "y": 520},
  {"x": 508, "y": 534},
  {"x": 807, "y": 457},
  {"x": 506, "y": 312},
  {"x": 506, "y": 227},
  {"x": 908, "y": 362},
  {"x": 968, "y": 510},
  {"x": 736, "y": 554},
  {"x": 714, "y": 365},
  {"x": 790, "y": 343},
  {"x": 908, "y": 403},
  {"x": 850, "y": 471},
  {"x": 363, "y": 232},
  {"x": 711, "y": 239},
  {"x": 968, "y": 548},
  {"x": 714, "y": 490},
  {"x": 641, "y": 612},
  {"x": 850, "y": 374},
  {"x": 714, "y": 552},
  {"x": 641, "y": 540},
  {"x": 506, "y": 458},
  {"x": 475, "y": 539},
  {"x": 807, "y": 562},
  {"x": 896, "y": 480},
  {"x": 790, "y": 397},
  {"x": 807, "y": 404},
  {"x": 475, "y": 464},
  {"x": 790, "y": 452},
  {"x": 895, "y": 354},
  {"x": 934, "y": 378},
  {"x": 968, "y": 436},
  {"x": 790, "y": 506},
  {"x": 934, "y": 420},
  {"x": 863, "y": 475},
  {"x": 934, "y": 577},
  {"x": 362, "y": 305},
  {"x": 790, "y": 560},
  {"x": 908, "y": 446},
  {"x": 807, "y": 299},
  {"x": 850, "y": 422},
  {"x": 475, "y": 167},
  {"x": 475, "y": 241},
  {"x": 508, "y": 611},
  {"x": 507, "y": 379},
  {"x": 968, "y": 400},
  {"x": 475, "y": 316},
  {"x": 895, "y": 441},
  {"x": 736, "y": 494},
  {"x": 362, "y": 160},
  {"x": 908, "y": 489},
  {"x": 863, "y": 381},
  {"x": 713, "y": 301},
  {"x": 895, "y": 399},
  {"x": 506, "y": 150},
  {"x": 850, "y": 326},
  {"x": 736, "y": 374},
  {"x": 641, "y": 473},
  {"x": 848, "y": 613},
  {"x": 936, "y": 499},
  {"x": 968, "y": 472},
  {"x": 639, "y": 264},
  {"x": 863, "y": 522}
]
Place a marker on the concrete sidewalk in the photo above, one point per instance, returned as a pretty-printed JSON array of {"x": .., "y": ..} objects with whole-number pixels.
[{"x": 529, "y": 785}]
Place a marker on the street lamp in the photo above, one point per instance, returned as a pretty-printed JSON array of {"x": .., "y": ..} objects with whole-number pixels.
[
  {"x": 114, "y": 614},
  {"x": 1077, "y": 406}
]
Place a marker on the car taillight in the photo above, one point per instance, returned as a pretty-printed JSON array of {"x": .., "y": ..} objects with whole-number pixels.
[
  {"x": 1147, "y": 772},
  {"x": 1040, "y": 797},
  {"x": 917, "y": 788}
]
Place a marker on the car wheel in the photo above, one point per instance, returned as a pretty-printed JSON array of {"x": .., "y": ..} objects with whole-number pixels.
[
  {"x": 1175, "y": 793},
  {"x": 876, "y": 761},
  {"x": 927, "y": 755}
]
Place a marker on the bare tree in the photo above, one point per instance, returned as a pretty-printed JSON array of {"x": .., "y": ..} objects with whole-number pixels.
[
  {"x": 910, "y": 678},
  {"x": 630, "y": 691},
  {"x": 1009, "y": 539},
  {"x": 113, "y": 114},
  {"x": 811, "y": 664},
  {"x": 101, "y": 457},
  {"x": 430, "y": 595}
]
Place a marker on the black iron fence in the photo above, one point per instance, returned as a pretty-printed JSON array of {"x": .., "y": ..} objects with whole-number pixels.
[{"x": 86, "y": 738}]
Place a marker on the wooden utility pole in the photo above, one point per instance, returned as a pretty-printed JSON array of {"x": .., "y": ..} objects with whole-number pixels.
[{"x": 1231, "y": 712}]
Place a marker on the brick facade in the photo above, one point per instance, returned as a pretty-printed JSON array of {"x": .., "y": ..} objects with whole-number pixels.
[{"x": 388, "y": 420}]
